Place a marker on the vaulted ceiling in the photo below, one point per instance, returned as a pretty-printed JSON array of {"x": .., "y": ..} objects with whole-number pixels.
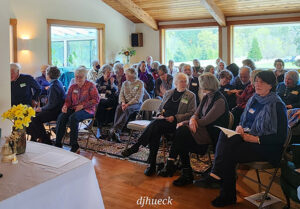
[{"x": 153, "y": 11}]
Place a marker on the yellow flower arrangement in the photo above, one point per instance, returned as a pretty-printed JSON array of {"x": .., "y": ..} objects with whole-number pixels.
[{"x": 19, "y": 115}]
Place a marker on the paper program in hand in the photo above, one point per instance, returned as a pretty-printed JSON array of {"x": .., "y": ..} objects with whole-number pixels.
[{"x": 229, "y": 133}]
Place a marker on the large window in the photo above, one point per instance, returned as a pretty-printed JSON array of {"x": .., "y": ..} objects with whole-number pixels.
[
  {"x": 265, "y": 43},
  {"x": 72, "y": 47},
  {"x": 184, "y": 45},
  {"x": 74, "y": 43}
]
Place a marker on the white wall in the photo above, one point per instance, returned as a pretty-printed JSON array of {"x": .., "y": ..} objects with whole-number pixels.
[
  {"x": 4, "y": 65},
  {"x": 150, "y": 44},
  {"x": 33, "y": 14}
]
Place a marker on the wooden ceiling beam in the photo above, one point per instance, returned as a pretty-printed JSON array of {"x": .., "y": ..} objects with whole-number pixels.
[
  {"x": 138, "y": 13},
  {"x": 215, "y": 11}
]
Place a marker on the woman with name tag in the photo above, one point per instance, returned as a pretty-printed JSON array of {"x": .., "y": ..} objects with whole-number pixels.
[
  {"x": 178, "y": 105},
  {"x": 196, "y": 134},
  {"x": 225, "y": 86},
  {"x": 80, "y": 104},
  {"x": 107, "y": 88},
  {"x": 261, "y": 135}
]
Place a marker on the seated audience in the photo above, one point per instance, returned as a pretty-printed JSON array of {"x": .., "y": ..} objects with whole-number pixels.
[
  {"x": 196, "y": 134},
  {"x": 210, "y": 69},
  {"x": 193, "y": 81},
  {"x": 234, "y": 69},
  {"x": 243, "y": 80},
  {"x": 242, "y": 99},
  {"x": 119, "y": 74},
  {"x": 180, "y": 68},
  {"x": 279, "y": 70},
  {"x": 220, "y": 67},
  {"x": 24, "y": 89},
  {"x": 178, "y": 105},
  {"x": 225, "y": 87},
  {"x": 171, "y": 68},
  {"x": 262, "y": 133},
  {"x": 108, "y": 91},
  {"x": 49, "y": 112},
  {"x": 154, "y": 69},
  {"x": 130, "y": 101},
  {"x": 94, "y": 73},
  {"x": 164, "y": 82},
  {"x": 42, "y": 80},
  {"x": 249, "y": 63},
  {"x": 289, "y": 90},
  {"x": 80, "y": 104},
  {"x": 146, "y": 77},
  {"x": 149, "y": 61},
  {"x": 294, "y": 124}
]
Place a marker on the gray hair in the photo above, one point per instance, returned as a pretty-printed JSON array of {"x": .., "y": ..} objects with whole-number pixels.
[
  {"x": 188, "y": 65},
  {"x": 105, "y": 68},
  {"x": 208, "y": 81},
  {"x": 155, "y": 65},
  {"x": 292, "y": 74},
  {"x": 81, "y": 70},
  {"x": 94, "y": 62},
  {"x": 197, "y": 61},
  {"x": 132, "y": 71},
  {"x": 118, "y": 67},
  {"x": 180, "y": 76},
  {"x": 208, "y": 67},
  {"x": 249, "y": 63},
  {"x": 15, "y": 66},
  {"x": 226, "y": 74},
  {"x": 247, "y": 68}
]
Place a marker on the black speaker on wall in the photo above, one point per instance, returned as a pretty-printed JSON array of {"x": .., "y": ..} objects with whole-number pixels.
[{"x": 136, "y": 39}]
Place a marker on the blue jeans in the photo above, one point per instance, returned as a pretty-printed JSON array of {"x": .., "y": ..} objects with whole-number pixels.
[{"x": 74, "y": 118}]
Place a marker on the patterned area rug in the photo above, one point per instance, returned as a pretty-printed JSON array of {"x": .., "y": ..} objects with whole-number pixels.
[{"x": 199, "y": 163}]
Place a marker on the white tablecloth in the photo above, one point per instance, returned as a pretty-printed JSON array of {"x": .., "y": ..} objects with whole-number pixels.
[{"x": 28, "y": 185}]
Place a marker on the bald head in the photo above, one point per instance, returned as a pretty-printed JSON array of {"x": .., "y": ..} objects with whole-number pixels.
[{"x": 245, "y": 72}]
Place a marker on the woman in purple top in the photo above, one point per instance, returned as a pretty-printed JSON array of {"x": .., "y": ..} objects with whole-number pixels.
[{"x": 146, "y": 77}]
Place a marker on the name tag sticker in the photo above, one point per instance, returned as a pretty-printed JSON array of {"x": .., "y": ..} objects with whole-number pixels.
[
  {"x": 185, "y": 101},
  {"x": 75, "y": 91},
  {"x": 194, "y": 84},
  {"x": 251, "y": 110},
  {"x": 295, "y": 92},
  {"x": 22, "y": 85},
  {"x": 226, "y": 90},
  {"x": 136, "y": 88}
]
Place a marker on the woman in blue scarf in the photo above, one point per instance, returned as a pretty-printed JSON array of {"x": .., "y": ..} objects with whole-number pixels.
[{"x": 262, "y": 133}]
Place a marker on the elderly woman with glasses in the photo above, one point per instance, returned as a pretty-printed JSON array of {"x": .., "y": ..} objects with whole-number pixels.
[
  {"x": 261, "y": 135},
  {"x": 80, "y": 104},
  {"x": 178, "y": 105},
  {"x": 194, "y": 135},
  {"x": 289, "y": 90}
]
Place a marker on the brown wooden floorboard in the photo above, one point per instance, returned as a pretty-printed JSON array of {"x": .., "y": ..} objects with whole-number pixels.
[{"x": 122, "y": 183}]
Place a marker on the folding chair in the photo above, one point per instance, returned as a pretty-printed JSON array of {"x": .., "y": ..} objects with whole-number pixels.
[
  {"x": 150, "y": 105},
  {"x": 263, "y": 166}
]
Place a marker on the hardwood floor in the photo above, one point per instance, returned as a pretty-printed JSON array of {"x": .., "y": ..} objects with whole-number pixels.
[{"x": 122, "y": 183}]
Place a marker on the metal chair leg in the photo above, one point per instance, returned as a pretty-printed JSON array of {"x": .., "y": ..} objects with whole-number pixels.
[
  {"x": 258, "y": 179},
  {"x": 164, "y": 147},
  {"x": 268, "y": 188},
  {"x": 288, "y": 202}
]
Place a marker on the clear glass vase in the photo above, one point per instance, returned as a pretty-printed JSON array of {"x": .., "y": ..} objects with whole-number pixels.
[{"x": 20, "y": 135}]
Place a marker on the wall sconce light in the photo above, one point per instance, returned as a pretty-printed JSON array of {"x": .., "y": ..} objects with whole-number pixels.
[{"x": 25, "y": 43}]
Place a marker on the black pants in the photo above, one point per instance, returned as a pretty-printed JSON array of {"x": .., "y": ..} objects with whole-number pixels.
[
  {"x": 103, "y": 115},
  {"x": 183, "y": 144},
  {"x": 36, "y": 128},
  {"x": 152, "y": 135},
  {"x": 230, "y": 152}
]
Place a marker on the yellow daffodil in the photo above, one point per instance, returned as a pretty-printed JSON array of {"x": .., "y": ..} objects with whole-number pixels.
[
  {"x": 31, "y": 112},
  {"x": 19, "y": 114},
  {"x": 26, "y": 121},
  {"x": 18, "y": 124}
]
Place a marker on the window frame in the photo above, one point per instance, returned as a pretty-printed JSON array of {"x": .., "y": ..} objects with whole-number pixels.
[
  {"x": 66, "y": 23},
  {"x": 162, "y": 35},
  {"x": 13, "y": 23},
  {"x": 231, "y": 24}
]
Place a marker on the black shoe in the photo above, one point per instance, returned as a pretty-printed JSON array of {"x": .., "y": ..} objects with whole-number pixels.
[
  {"x": 58, "y": 145},
  {"x": 150, "y": 171},
  {"x": 208, "y": 182},
  {"x": 75, "y": 148},
  {"x": 186, "y": 178},
  {"x": 222, "y": 202},
  {"x": 130, "y": 151},
  {"x": 168, "y": 170},
  {"x": 116, "y": 137}
]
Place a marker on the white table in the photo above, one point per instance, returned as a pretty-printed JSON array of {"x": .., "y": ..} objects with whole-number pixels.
[{"x": 28, "y": 185}]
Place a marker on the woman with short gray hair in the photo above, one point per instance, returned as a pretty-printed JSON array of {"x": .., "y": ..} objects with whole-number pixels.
[
  {"x": 119, "y": 74},
  {"x": 154, "y": 69},
  {"x": 178, "y": 105},
  {"x": 289, "y": 90},
  {"x": 196, "y": 134},
  {"x": 130, "y": 101}
]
